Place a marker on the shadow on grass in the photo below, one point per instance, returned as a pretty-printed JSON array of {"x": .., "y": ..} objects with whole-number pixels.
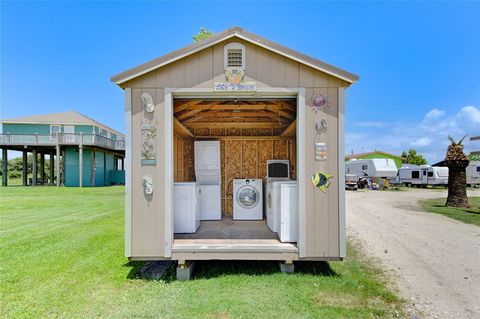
[
  {"x": 459, "y": 209},
  {"x": 218, "y": 268}
]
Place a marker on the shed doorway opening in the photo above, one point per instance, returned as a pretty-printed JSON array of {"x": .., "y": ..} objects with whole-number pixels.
[{"x": 245, "y": 134}]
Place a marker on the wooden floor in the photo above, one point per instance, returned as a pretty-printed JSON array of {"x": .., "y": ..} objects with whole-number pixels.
[
  {"x": 232, "y": 239},
  {"x": 227, "y": 228}
]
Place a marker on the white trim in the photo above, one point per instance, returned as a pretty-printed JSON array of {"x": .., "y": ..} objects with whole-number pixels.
[
  {"x": 168, "y": 130},
  {"x": 341, "y": 173},
  {"x": 234, "y": 46},
  {"x": 301, "y": 172},
  {"x": 128, "y": 172},
  {"x": 223, "y": 39},
  {"x": 168, "y": 167}
]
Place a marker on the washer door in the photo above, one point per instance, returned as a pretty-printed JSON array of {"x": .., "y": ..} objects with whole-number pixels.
[{"x": 248, "y": 196}]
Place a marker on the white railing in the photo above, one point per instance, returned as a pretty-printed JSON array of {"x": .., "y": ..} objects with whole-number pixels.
[{"x": 62, "y": 139}]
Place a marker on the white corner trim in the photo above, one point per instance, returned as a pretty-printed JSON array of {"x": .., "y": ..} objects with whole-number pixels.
[
  {"x": 301, "y": 172},
  {"x": 341, "y": 173},
  {"x": 128, "y": 172},
  {"x": 168, "y": 167}
]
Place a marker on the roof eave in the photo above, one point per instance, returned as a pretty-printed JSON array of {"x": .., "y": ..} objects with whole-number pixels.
[{"x": 225, "y": 35}]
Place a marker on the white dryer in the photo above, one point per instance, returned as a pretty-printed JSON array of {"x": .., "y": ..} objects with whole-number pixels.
[
  {"x": 208, "y": 174},
  {"x": 270, "y": 202},
  {"x": 247, "y": 199},
  {"x": 288, "y": 228}
]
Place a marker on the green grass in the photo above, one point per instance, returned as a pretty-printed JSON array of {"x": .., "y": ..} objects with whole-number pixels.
[
  {"x": 62, "y": 256},
  {"x": 467, "y": 215}
]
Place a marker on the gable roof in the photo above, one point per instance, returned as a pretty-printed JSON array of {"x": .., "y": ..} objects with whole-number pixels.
[
  {"x": 66, "y": 118},
  {"x": 360, "y": 155},
  {"x": 227, "y": 34}
]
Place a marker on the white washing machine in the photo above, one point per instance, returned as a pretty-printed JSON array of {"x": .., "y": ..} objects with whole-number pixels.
[{"x": 247, "y": 199}]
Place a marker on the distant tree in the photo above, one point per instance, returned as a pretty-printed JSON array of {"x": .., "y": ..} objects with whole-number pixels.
[
  {"x": 457, "y": 162},
  {"x": 412, "y": 157},
  {"x": 202, "y": 34}
]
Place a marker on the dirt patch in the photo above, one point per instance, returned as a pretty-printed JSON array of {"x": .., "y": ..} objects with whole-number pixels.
[{"x": 434, "y": 260}]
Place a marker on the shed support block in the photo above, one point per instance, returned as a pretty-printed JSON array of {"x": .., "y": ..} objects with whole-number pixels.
[
  {"x": 287, "y": 266},
  {"x": 185, "y": 270}
]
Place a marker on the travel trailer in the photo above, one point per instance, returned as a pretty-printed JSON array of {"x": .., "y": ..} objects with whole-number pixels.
[
  {"x": 259, "y": 101},
  {"x": 373, "y": 168},
  {"x": 473, "y": 174},
  {"x": 423, "y": 175}
]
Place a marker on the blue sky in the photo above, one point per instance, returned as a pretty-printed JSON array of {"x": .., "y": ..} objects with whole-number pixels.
[{"x": 419, "y": 62}]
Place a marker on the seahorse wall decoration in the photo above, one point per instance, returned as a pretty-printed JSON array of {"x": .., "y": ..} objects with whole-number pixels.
[{"x": 321, "y": 180}]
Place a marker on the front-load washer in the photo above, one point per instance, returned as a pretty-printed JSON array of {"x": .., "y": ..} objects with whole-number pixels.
[{"x": 247, "y": 199}]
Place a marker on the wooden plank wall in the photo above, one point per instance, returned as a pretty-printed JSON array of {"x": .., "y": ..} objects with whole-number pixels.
[
  {"x": 247, "y": 159},
  {"x": 183, "y": 160},
  {"x": 240, "y": 159}
]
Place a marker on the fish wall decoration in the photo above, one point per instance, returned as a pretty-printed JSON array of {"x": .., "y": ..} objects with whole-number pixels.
[{"x": 321, "y": 180}]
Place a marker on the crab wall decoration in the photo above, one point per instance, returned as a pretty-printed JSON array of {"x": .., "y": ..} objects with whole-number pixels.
[{"x": 319, "y": 101}]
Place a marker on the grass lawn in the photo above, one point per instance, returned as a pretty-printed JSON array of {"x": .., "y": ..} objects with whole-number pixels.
[
  {"x": 467, "y": 215},
  {"x": 62, "y": 256}
]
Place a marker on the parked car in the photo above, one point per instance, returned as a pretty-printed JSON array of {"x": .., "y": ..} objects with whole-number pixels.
[{"x": 351, "y": 182}]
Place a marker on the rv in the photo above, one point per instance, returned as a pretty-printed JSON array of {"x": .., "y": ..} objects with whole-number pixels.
[
  {"x": 473, "y": 174},
  {"x": 423, "y": 175},
  {"x": 374, "y": 168}
]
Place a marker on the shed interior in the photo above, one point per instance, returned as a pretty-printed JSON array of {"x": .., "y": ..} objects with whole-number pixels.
[{"x": 250, "y": 131}]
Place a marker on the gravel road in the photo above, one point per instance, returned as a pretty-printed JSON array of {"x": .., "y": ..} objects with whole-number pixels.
[{"x": 434, "y": 261}]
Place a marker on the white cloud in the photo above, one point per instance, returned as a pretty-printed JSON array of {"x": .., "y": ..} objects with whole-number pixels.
[
  {"x": 421, "y": 142},
  {"x": 371, "y": 124},
  {"x": 427, "y": 135},
  {"x": 433, "y": 114}
]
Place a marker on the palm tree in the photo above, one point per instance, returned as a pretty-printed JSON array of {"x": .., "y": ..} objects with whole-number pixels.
[{"x": 457, "y": 161}]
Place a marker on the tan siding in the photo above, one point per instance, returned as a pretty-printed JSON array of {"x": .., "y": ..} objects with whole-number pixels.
[
  {"x": 147, "y": 215},
  {"x": 263, "y": 66},
  {"x": 291, "y": 73},
  {"x": 267, "y": 69},
  {"x": 320, "y": 80},
  {"x": 310, "y": 193},
  {"x": 277, "y": 70},
  {"x": 333, "y": 243},
  {"x": 305, "y": 77},
  {"x": 177, "y": 73}
]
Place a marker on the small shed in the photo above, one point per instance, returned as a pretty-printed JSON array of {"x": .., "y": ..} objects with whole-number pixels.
[
  {"x": 82, "y": 151},
  {"x": 262, "y": 101}
]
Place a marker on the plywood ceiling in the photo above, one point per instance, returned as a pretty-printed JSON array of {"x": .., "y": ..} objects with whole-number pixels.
[{"x": 241, "y": 113}]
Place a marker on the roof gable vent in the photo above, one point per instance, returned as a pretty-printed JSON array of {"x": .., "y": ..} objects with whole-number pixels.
[{"x": 234, "y": 56}]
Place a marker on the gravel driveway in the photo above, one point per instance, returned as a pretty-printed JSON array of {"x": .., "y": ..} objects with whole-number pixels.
[{"x": 433, "y": 260}]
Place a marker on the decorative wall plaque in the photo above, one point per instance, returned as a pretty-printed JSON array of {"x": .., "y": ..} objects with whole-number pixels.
[
  {"x": 147, "y": 182},
  {"x": 234, "y": 82},
  {"x": 320, "y": 152},
  {"x": 147, "y": 100},
  {"x": 149, "y": 154}
]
